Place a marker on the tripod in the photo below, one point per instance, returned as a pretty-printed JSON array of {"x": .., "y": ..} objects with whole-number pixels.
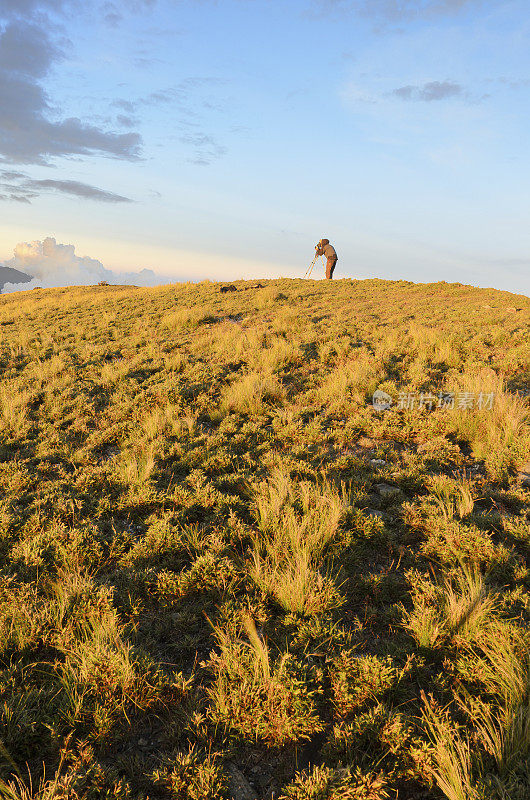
[{"x": 309, "y": 270}]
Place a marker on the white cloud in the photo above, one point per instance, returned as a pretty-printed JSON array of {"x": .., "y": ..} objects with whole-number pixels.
[{"x": 50, "y": 264}]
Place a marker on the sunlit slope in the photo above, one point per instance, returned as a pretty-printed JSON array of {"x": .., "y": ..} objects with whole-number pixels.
[{"x": 224, "y": 573}]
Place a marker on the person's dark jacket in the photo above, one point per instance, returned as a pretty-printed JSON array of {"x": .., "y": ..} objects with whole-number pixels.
[{"x": 326, "y": 249}]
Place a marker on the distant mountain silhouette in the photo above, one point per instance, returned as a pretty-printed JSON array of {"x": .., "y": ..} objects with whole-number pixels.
[{"x": 8, "y": 275}]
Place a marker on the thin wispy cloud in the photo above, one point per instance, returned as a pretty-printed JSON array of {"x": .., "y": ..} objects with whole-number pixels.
[
  {"x": 206, "y": 149},
  {"x": 108, "y": 11},
  {"x": 513, "y": 83},
  {"x": 19, "y": 187},
  {"x": 193, "y": 99},
  {"x": 78, "y": 189},
  {"x": 22, "y": 8},
  {"x": 429, "y": 92},
  {"x": 111, "y": 14},
  {"x": 394, "y": 10},
  {"x": 126, "y": 121}
]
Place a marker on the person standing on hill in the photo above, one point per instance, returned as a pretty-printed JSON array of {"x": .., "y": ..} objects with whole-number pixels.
[{"x": 324, "y": 248}]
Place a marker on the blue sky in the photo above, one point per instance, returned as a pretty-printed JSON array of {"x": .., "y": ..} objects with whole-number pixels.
[{"x": 223, "y": 139}]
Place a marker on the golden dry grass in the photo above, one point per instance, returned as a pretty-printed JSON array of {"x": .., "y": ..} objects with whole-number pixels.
[{"x": 218, "y": 559}]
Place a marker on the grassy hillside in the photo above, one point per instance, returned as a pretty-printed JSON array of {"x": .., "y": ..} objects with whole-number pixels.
[{"x": 225, "y": 574}]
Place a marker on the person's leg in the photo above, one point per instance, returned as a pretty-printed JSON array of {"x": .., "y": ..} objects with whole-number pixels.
[{"x": 330, "y": 267}]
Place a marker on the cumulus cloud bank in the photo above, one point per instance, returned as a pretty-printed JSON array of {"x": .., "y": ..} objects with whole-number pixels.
[{"x": 50, "y": 264}]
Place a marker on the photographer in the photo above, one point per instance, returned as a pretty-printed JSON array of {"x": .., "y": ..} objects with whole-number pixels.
[{"x": 324, "y": 248}]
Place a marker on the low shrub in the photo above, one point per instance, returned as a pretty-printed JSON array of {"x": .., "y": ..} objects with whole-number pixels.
[
  {"x": 259, "y": 698},
  {"x": 323, "y": 783}
]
